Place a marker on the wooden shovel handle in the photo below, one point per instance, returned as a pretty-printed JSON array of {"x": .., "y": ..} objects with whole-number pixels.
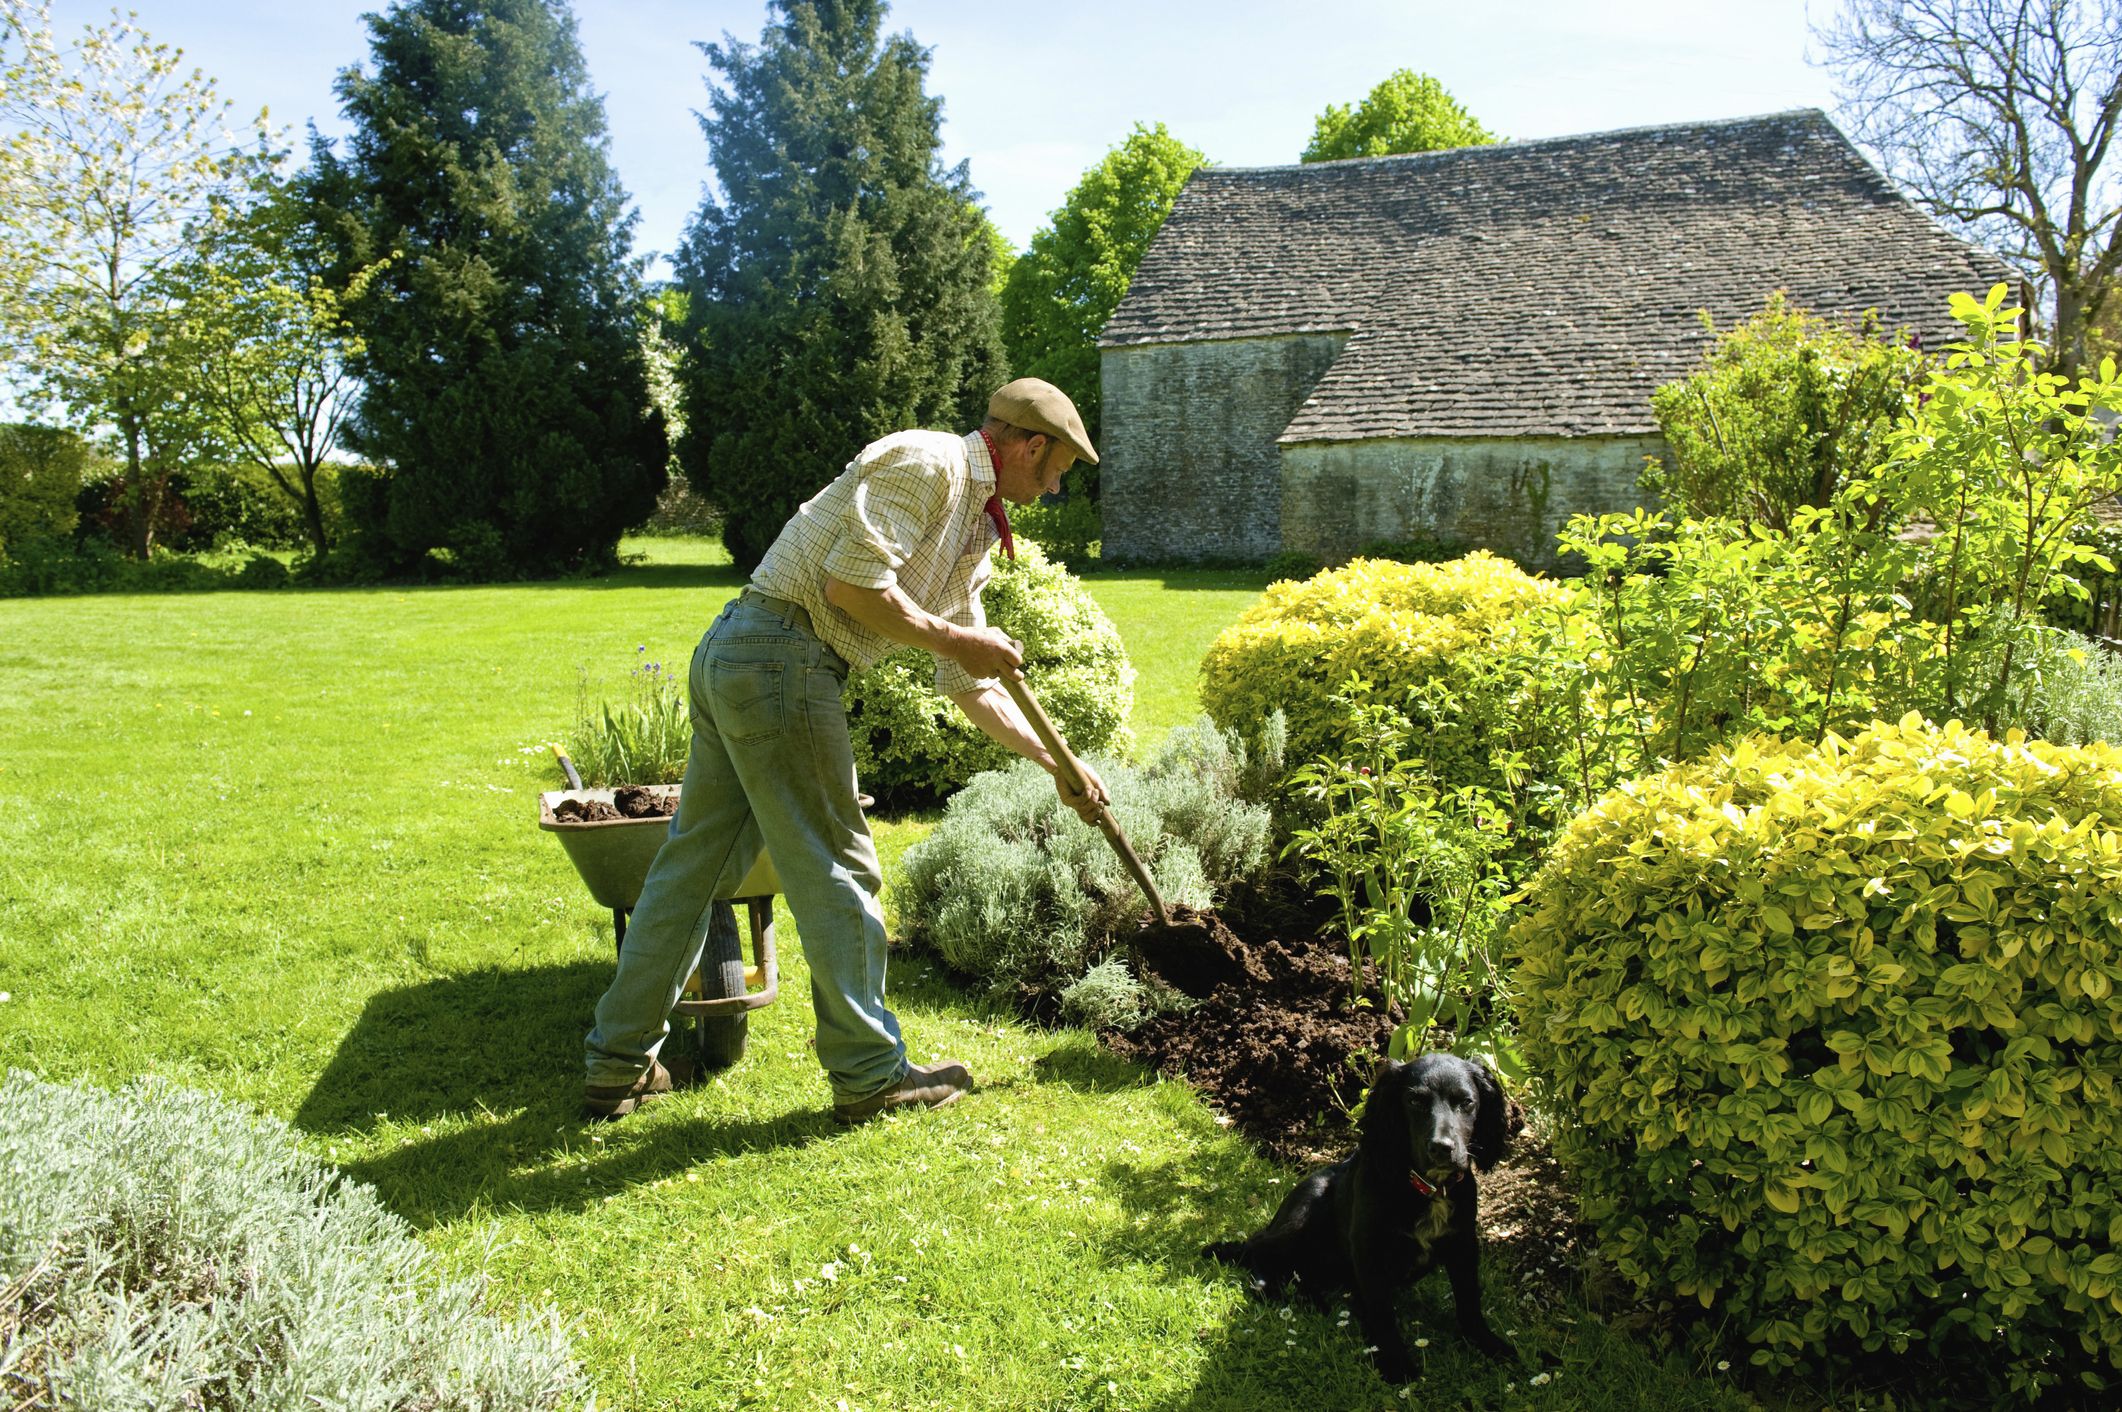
[{"x": 1027, "y": 703}]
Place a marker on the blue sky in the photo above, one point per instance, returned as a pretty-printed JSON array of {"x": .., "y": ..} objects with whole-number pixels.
[{"x": 1035, "y": 94}]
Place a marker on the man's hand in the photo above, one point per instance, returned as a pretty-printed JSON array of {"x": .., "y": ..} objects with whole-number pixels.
[
  {"x": 990, "y": 708},
  {"x": 1087, "y": 804},
  {"x": 986, "y": 652}
]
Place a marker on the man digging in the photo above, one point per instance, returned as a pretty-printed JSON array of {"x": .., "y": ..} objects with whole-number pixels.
[{"x": 893, "y": 552}]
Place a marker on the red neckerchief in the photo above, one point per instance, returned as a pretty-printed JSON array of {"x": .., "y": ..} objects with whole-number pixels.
[{"x": 993, "y": 506}]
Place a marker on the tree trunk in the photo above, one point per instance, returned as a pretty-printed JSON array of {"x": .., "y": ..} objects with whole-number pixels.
[
  {"x": 2069, "y": 353},
  {"x": 313, "y": 512},
  {"x": 140, "y": 505}
]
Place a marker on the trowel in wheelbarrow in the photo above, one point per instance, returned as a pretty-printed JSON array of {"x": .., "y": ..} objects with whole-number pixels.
[{"x": 1188, "y": 949}]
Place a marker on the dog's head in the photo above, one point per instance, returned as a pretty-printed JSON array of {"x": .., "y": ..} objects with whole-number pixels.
[{"x": 1449, "y": 1115}]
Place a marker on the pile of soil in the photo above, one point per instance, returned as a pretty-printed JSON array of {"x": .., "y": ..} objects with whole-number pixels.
[
  {"x": 1274, "y": 1043},
  {"x": 629, "y": 801}
]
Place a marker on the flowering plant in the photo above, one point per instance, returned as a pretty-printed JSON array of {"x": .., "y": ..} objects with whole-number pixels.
[{"x": 643, "y": 737}]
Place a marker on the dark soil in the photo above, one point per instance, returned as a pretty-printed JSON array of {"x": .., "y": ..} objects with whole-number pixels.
[
  {"x": 629, "y": 801},
  {"x": 1195, "y": 954},
  {"x": 1277, "y": 1043},
  {"x": 1282, "y": 1050},
  {"x": 640, "y": 801}
]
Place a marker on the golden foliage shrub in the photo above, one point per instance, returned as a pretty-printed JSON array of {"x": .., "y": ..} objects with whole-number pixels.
[
  {"x": 1445, "y": 626},
  {"x": 1833, "y": 1037}
]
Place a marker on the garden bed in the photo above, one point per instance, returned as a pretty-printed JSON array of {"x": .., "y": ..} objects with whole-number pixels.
[{"x": 1282, "y": 1056}]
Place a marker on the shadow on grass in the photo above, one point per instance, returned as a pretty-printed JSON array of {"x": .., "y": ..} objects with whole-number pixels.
[
  {"x": 1091, "y": 1068},
  {"x": 648, "y": 576},
  {"x": 493, "y": 1042}
]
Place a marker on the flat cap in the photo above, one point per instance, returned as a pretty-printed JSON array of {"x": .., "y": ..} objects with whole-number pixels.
[{"x": 1037, "y": 405}]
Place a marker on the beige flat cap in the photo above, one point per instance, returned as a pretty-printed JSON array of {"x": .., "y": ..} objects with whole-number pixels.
[{"x": 1037, "y": 405}]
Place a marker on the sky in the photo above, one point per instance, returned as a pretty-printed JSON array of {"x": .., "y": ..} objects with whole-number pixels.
[{"x": 1034, "y": 95}]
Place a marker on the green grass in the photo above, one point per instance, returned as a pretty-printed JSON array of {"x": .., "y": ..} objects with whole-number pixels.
[
  {"x": 1167, "y": 619},
  {"x": 282, "y": 846}
]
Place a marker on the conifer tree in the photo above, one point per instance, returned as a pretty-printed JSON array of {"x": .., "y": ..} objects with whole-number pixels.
[
  {"x": 505, "y": 388},
  {"x": 840, "y": 284}
]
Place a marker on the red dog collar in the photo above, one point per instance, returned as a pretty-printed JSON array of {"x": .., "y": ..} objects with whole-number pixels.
[{"x": 1423, "y": 1188}]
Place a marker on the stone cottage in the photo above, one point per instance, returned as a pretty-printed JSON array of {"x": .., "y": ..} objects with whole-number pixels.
[{"x": 1462, "y": 345}]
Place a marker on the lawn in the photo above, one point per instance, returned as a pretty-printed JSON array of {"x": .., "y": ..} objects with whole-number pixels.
[{"x": 281, "y": 846}]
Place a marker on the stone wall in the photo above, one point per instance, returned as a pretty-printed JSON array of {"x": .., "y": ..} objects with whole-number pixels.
[
  {"x": 1505, "y": 494},
  {"x": 1190, "y": 467}
]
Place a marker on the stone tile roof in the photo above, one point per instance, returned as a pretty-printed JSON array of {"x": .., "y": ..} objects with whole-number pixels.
[{"x": 1539, "y": 288}]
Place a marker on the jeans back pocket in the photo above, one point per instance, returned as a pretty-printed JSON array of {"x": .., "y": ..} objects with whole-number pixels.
[{"x": 747, "y": 698}]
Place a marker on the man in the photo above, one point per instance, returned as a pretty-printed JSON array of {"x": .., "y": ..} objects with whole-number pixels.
[{"x": 893, "y": 552}]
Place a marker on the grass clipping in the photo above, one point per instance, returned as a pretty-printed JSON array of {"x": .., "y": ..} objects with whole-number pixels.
[{"x": 161, "y": 1247}]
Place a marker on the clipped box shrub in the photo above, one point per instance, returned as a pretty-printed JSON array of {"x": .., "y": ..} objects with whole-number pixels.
[
  {"x": 1833, "y": 1039},
  {"x": 913, "y": 746},
  {"x": 1071, "y": 531},
  {"x": 1449, "y": 628},
  {"x": 1015, "y": 892},
  {"x": 161, "y": 1247}
]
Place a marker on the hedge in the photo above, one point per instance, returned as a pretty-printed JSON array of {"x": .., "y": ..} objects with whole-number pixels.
[
  {"x": 1833, "y": 1037},
  {"x": 1449, "y": 630}
]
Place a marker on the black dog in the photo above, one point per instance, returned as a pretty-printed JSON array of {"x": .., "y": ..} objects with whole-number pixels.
[{"x": 1403, "y": 1203}]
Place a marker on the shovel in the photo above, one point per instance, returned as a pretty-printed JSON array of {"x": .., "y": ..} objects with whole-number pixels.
[{"x": 1073, "y": 774}]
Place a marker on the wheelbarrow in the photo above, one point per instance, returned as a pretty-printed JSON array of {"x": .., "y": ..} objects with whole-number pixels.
[{"x": 613, "y": 857}]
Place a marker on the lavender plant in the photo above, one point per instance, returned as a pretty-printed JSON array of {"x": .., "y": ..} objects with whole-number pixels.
[{"x": 162, "y": 1247}]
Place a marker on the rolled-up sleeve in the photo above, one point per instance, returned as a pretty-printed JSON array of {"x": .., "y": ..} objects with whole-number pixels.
[{"x": 897, "y": 499}]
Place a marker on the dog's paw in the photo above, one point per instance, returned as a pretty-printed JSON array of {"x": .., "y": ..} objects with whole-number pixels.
[
  {"x": 1495, "y": 1347},
  {"x": 1395, "y": 1368}
]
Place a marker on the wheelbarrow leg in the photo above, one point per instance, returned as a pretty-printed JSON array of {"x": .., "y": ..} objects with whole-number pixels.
[{"x": 619, "y": 915}]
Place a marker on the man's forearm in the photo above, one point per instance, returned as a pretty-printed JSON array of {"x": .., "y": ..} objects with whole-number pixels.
[
  {"x": 889, "y": 613},
  {"x": 998, "y": 718}
]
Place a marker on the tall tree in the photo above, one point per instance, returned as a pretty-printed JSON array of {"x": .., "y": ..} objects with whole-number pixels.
[
  {"x": 840, "y": 282},
  {"x": 1063, "y": 289},
  {"x": 115, "y": 152},
  {"x": 1998, "y": 115},
  {"x": 505, "y": 389},
  {"x": 1406, "y": 112},
  {"x": 273, "y": 343}
]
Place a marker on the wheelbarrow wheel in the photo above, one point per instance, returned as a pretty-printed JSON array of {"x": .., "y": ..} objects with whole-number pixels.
[{"x": 718, "y": 1040}]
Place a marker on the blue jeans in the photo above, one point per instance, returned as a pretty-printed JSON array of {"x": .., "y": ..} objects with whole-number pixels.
[{"x": 771, "y": 767}]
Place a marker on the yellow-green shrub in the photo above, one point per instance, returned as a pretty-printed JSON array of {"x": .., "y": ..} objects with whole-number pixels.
[
  {"x": 913, "y": 746},
  {"x": 1447, "y": 627},
  {"x": 1833, "y": 1039}
]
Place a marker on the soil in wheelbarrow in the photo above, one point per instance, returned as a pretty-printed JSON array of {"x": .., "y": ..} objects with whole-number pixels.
[
  {"x": 1274, "y": 1044},
  {"x": 629, "y": 801}
]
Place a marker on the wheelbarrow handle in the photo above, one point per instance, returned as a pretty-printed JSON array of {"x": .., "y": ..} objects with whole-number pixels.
[{"x": 1072, "y": 773}]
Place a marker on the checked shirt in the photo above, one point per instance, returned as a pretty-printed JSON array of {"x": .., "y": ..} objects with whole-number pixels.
[{"x": 908, "y": 511}]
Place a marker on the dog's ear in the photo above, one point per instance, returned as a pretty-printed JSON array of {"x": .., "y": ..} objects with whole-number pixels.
[
  {"x": 1499, "y": 1120},
  {"x": 1384, "y": 1127}
]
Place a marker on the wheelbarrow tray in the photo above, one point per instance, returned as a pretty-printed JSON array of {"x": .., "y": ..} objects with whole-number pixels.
[{"x": 613, "y": 857}]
